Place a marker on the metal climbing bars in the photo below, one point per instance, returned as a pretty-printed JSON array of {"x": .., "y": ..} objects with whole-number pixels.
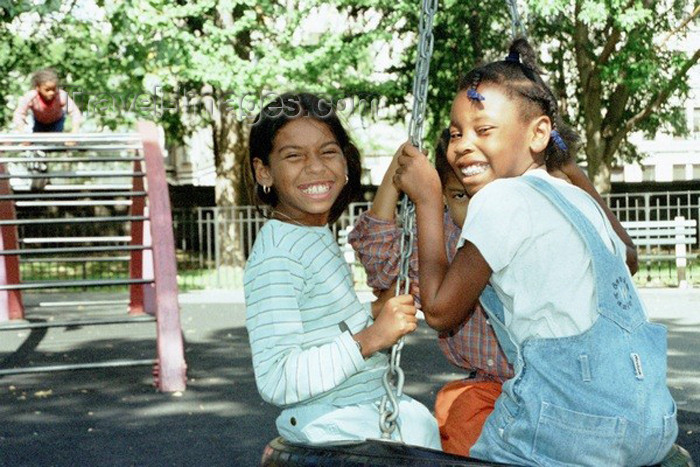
[{"x": 117, "y": 169}]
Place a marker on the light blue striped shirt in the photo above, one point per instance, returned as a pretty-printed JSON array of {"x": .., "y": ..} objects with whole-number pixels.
[{"x": 298, "y": 289}]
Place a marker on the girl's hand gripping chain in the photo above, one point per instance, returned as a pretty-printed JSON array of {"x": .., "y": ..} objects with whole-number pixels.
[
  {"x": 416, "y": 177},
  {"x": 396, "y": 319}
]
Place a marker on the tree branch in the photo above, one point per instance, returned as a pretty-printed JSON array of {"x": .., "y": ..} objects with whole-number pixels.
[
  {"x": 581, "y": 43},
  {"x": 616, "y": 107},
  {"x": 662, "y": 96},
  {"x": 609, "y": 47},
  {"x": 683, "y": 24}
]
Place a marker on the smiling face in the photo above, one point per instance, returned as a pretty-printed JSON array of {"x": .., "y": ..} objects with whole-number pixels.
[
  {"x": 307, "y": 170},
  {"x": 490, "y": 139}
]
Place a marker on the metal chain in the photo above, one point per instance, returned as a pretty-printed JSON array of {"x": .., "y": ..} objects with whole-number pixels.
[
  {"x": 394, "y": 377},
  {"x": 516, "y": 24}
]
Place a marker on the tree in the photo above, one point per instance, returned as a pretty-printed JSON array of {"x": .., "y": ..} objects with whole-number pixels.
[
  {"x": 611, "y": 63},
  {"x": 223, "y": 60},
  {"x": 616, "y": 71},
  {"x": 51, "y": 34}
]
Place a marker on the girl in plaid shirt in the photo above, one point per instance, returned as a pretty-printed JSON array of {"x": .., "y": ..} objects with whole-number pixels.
[{"x": 461, "y": 406}]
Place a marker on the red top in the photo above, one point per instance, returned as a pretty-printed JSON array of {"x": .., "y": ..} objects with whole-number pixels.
[{"x": 45, "y": 112}]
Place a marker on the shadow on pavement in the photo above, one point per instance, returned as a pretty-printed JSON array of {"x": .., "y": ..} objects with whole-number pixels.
[{"x": 115, "y": 416}]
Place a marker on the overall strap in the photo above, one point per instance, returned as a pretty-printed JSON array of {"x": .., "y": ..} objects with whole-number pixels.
[
  {"x": 616, "y": 296},
  {"x": 494, "y": 309}
]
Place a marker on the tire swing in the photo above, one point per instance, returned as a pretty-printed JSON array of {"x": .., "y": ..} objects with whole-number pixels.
[{"x": 384, "y": 451}]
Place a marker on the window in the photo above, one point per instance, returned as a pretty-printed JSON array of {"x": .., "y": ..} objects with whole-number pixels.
[
  {"x": 649, "y": 173},
  {"x": 678, "y": 172},
  {"x": 696, "y": 171}
]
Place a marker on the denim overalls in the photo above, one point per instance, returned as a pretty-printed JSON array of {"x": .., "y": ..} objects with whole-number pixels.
[{"x": 598, "y": 398}]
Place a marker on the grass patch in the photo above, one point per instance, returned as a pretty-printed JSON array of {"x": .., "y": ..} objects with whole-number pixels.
[{"x": 652, "y": 273}]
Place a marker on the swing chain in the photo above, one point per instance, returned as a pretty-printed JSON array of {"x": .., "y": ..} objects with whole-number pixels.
[
  {"x": 422, "y": 71},
  {"x": 393, "y": 380},
  {"x": 517, "y": 25}
]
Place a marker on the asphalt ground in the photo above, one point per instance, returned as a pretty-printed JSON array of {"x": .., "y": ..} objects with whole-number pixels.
[{"x": 115, "y": 416}]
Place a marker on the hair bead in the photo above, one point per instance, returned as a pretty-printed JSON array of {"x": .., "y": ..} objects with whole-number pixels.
[
  {"x": 558, "y": 140},
  {"x": 513, "y": 57},
  {"x": 474, "y": 95}
]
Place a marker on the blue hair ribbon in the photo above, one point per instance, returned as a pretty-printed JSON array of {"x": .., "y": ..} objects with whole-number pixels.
[
  {"x": 558, "y": 140},
  {"x": 513, "y": 57},
  {"x": 474, "y": 95}
]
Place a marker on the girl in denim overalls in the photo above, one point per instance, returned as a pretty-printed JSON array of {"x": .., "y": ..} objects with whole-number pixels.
[{"x": 590, "y": 370}]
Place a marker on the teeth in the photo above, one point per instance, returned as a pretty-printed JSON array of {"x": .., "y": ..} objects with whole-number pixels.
[
  {"x": 474, "y": 169},
  {"x": 317, "y": 189}
]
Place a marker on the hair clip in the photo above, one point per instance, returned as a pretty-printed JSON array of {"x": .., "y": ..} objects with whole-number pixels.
[
  {"x": 474, "y": 95},
  {"x": 513, "y": 57},
  {"x": 558, "y": 140}
]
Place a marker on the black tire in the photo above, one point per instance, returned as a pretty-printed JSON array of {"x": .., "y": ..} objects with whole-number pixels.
[{"x": 370, "y": 453}]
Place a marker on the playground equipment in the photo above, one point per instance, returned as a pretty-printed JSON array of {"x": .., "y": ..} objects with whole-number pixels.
[{"x": 152, "y": 273}]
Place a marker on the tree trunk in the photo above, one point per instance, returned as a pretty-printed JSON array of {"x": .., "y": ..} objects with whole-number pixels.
[
  {"x": 601, "y": 178},
  {"x": 230, "y": 150},
  {"x": 598, "y": 165}
]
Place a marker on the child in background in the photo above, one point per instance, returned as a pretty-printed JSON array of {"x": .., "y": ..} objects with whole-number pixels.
[
  {"x": 315, "y": 347},
  {"x": 461, "y": 406},
  {"x": 590, "y": 369},
  {"x": 49, "y": 105}
]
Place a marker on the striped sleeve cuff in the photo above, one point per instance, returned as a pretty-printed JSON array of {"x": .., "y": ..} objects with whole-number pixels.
[{"x": 352, "y": 350}]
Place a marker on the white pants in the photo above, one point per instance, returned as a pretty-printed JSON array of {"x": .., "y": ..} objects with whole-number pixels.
[{"x": 321, "y": 423}]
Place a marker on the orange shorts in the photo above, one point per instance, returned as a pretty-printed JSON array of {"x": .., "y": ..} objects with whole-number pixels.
[{"x": 461, "y": 408}]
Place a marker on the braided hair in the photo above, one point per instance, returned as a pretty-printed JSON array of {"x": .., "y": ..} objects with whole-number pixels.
[{"x": 520, "y": 77}]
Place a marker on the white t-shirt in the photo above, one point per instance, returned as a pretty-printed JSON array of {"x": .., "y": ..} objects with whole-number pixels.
[{"x": 542, "y": 269}]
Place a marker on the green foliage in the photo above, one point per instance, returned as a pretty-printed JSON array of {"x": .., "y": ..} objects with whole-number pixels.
[
  {"x": 144, "y": 55},
  {"x": 619, "y": 66}
]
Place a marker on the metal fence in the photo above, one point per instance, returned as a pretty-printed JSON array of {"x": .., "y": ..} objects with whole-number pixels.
[
  {"x": 655, "y": 206},
  {"x": 202, "y": 261},
  {"x": 204, "y": 255},
  {"x": 201, "y": 264}
]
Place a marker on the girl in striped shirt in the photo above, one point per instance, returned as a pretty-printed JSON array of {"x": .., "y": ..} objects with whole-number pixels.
[{"x": 315, "y": 347}]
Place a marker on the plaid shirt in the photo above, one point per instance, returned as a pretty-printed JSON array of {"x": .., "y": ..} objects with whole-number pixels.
[{"x": 472, "y": 346}]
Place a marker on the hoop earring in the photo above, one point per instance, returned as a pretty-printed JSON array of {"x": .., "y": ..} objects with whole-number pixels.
[
  {"x": 266, "y": 189},
  {"x": 347, "y": 179}
]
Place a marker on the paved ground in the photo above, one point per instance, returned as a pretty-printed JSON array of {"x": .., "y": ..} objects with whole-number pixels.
[{"x": 114, "y": 417}]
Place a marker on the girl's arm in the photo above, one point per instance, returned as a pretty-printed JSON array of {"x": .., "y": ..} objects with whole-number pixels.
[
  {"x": 449, "y": 293},
  {"x": 76, "y": 116},
  {"x": 387, "y": 196},
  {"x": 578, "y": 178},
  {"x": 376, "y": 238},
  {"x": 20, "y": 115},
  {"x": 285, "y": 372}
]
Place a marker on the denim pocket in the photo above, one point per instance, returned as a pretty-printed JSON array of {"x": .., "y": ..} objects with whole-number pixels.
[
  {"x": 668, "y": 436},
  {"x": 565, "y": 437}
]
